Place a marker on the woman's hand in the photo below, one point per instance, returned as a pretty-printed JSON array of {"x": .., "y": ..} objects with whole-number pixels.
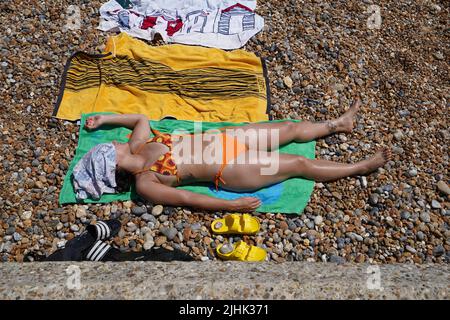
[
  {"x": 93, "y": 122},
  {"x": 245, "y": 204}
]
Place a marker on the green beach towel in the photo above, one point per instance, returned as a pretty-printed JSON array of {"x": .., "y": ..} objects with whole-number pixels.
[{"x": 290, "y": 196}]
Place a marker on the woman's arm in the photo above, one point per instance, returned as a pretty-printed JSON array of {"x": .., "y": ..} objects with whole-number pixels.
[
  {"x": 161, "y": 194},
  {"x": 136, "y": 122}
]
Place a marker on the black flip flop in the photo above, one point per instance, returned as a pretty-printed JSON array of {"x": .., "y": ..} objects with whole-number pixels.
[
  {"x": 101, "y": 251},
  {"x": 104, "y": 230},
  {"x": 76, "y": 249},
  {"x": 73, "y": 250},
  {"x": 163, "y": 254}
]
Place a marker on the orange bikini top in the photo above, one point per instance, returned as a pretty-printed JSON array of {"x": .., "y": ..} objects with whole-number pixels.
[{"x": 165, "y": 164}]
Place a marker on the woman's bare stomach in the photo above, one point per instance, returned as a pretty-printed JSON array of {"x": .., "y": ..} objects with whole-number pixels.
[
  {"x": 195, "y": 163},
  {"x": 200, "y": 160}
]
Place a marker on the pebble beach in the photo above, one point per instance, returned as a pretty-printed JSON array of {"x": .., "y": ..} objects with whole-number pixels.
[{"x": 319, "y": 55}]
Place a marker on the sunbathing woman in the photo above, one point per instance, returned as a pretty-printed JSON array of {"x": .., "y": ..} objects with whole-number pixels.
[{"x": 244, "y": 156}]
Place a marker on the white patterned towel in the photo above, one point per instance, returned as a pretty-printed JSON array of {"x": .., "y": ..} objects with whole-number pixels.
[{"x": 225, "y": 24}]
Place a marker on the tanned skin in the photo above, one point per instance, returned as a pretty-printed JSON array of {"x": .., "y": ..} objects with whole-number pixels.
[{"x": 160, "y": 189}]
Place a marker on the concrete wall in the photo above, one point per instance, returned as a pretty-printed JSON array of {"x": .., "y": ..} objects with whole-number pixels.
[{"x": 219, "y": 280}]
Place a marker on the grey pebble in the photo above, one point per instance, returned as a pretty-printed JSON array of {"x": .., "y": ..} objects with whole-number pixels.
[
  {"x": 299, "y": 223},
  {"x": 404, "y": 113},
  {"x": 340, "y": 243},
  {"x": 190, "y": 244},
  {"x": 10, "y": 231},
  {"x": 435, "y": 204},
  {"x": 170, "y": 233},
  {"x": 292, "y": 226},
  {"x": 138, "y": 211},
  {"x": 336, "y": 259},
  {"x": 425, "y": 217},
  {"x": 373, "y": 199},
  {"x": 296, "y": 237},
  {"x": 196, "y": 226},
  {"x": 398, "y": 135},
  {"x": 37, "y": 152},
  {"x": 279, "y": 83},
  {"x": 420, "y": 235},
  {"x": 148, "y": 217},
  {"x": 412, "y": 172},
  {"x": 439, "y": 250},
  {"x": 179, "y": 226},
  {"x": 405, "y": 215},
  {"x": 17, "y": 236},
  {"x": 276, "y": 237},
  {"x": 411, "y": 249},
  {"x": 397, "y": 150}
]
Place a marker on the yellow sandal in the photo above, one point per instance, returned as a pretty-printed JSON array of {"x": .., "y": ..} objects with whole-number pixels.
[
  {"x": 236, "y": 224},
  {"x": 242, "y": 252}
]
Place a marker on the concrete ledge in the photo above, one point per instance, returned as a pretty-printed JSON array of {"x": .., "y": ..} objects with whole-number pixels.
[{"x": 218, "y": 280}]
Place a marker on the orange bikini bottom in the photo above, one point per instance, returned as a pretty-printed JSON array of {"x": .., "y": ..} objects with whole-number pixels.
[{"x": 231, "y": 149}]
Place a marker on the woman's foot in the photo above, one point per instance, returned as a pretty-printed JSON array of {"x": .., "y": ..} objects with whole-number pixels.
[
  {"x": 345, "y": 122},
  {"x": 378, "y": 160}
]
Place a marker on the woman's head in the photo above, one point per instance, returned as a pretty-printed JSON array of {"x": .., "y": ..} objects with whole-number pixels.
[
  {"x": 103, "y": 170},
  {"x": 95, "y": 173}
]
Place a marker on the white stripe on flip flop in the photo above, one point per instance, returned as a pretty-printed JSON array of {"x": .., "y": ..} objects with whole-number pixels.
[
  {"x": 101, "y": 254},
  {"x": 107, "y": 229},
  {"x": 100, "y": 250},
  {"x": 94, "y": 247},
  {"x": 101, "y": 231}
]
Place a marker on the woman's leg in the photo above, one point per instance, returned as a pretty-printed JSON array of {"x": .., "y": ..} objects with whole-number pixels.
[
  {"x": 258, "y": 135},
  {"x": 248, "y": 177}
]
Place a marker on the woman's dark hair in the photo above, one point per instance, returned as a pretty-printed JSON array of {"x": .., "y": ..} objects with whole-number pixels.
[{"x": 124, "y": 180}]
